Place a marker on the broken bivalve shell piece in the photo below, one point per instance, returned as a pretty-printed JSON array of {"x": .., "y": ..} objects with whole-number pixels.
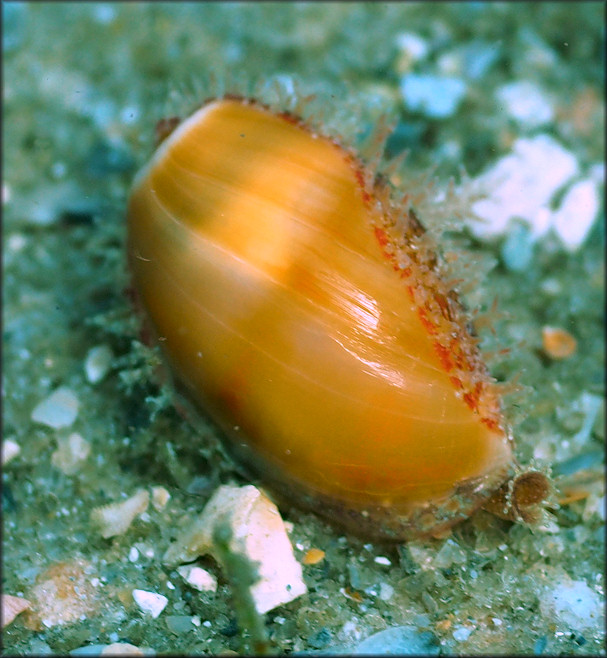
[
  {"x": 116, "y": 518},
  {"x": 258, "y": 533}
]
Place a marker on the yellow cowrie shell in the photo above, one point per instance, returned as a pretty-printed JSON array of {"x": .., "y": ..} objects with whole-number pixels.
[{"x": 300, "y": 307}]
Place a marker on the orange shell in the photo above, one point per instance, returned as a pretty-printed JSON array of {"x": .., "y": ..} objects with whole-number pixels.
[
  {"x": 557, "y": 343},
  {"x": 300, "y": 307}
]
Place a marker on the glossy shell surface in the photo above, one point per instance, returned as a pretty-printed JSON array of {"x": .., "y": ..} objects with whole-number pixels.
[{"x": 295, "y": 304}]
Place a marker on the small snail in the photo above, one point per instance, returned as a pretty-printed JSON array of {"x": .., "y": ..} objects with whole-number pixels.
[{"x": 298, "y": 304}]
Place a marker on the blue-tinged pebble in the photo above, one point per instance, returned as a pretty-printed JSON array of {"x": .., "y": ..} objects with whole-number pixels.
[
  {"x": 479, "y": 57},
  {"x": 578, "y": 463},
  {"x": 540, "y": 645},
  {"x": 399, "y": 641},
  {"x": 406, "y": 135},
  {"x": 517, "y": 250},
  {"x": 105, "y": 158},
  {"x": 179, "y": 623},
  {"x": 435, "y": 96},
  {"x": 38, "y": 647},
  {"x": 89, "y": 650},
  {"x": 13, "y": 25},
  {"x": 321, "y": 639}
]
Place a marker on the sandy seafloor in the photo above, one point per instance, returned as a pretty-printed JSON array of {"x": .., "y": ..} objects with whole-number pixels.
[{"x": 84, "y": 85}]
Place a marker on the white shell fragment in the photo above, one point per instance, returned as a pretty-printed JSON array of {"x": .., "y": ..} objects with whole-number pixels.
[
  {"x": 11, "y": 607},
  {"x": 258, "y": 532},
  {"x": 575, "y": 216},
  {"x": 198, "y": 578},
  {"x": 65, "y": 594},
  {"x": 59, "y": 409},
  {"x": 150, "y": 602},
  {"x": 526, "y": 103},
  {"x": 71, "y": 452},
  {"x": 115, "y": 519},
  {"x": 521, "y": 185},
  {"x": 524, "y": 185},
  {"x": 97, "y": 363},
  {"x": 160, "y": 498}
]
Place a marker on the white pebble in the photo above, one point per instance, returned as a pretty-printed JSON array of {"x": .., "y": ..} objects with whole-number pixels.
[
  {"x": 122, "y": 649},
  {"x": 462, "y": 633},
  {"x": 130, "y": 114},
  {"x": 97, "y": 363},
  {"x": 412, "y": 45},
  {"x": 133, "y": 554},
  {"x": 435, "y": 96},
  {"x": 574, "y": 604},
  {"x": 59, "y": 409},
  {"x": 575, "y": 216},
  {"x": 58, "y": 169},
  {"x": 150, "y": 602},
  {"x": 589, "y": 405},
  {"x": 10, "y": 449},
  {"x": 104, "y": 13},
  {"x": 385, "y": 591},
  {"x": 594, "y": 505},
  {"x": 198, "y": 578},
  {"x": 380, "y": 559},
  {"x": 526, "y": 103},
  {"x": 16, "y": 242},
  {"x": 351, "y": 631}
]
